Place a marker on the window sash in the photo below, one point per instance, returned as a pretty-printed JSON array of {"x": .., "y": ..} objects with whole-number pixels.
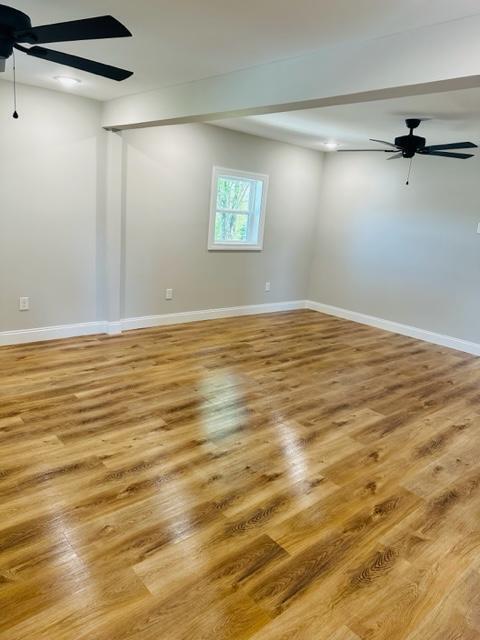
[
  {"x": 251, "y": 196},
  {"x": 250, "y": 212},
  {"x": 251, "y": 219}
]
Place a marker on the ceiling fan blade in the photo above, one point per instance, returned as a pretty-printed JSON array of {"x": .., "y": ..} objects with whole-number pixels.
[
  {"x": 99, "y": 69},
  {"x": 389, "y": 144},
  {"x": 86, "y": 29},
  {"x": 445, "y": 154},
  {"x": 397, "y": 155},
  {"x": 377, "y": 150},
  {"x": 452, "y": 145}
]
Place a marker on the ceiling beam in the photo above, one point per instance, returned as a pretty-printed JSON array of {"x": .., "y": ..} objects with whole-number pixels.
[{"x": 441, "y": 57}]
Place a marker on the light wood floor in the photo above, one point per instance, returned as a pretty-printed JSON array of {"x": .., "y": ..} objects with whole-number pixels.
[{"x": 279, "y": 477}]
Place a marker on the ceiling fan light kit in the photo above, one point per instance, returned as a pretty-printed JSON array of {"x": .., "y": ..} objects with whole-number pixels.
[{"x": 16, "y": 31}]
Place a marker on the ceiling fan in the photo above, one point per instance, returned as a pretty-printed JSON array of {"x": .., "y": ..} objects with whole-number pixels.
[
  {"x": 409, "y": 145},
  {"x": 16, "y": 30}
]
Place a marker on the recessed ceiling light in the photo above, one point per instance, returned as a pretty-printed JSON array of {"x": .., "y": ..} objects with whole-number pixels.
[
  {"x": 67, "y": 82},
  {"x": 331, "y": 146}
]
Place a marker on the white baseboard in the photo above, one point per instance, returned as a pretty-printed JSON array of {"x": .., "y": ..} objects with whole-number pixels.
[
  {"x": 396, "y": 327},
  {"x": 209, "y": 314},
  {"x": 22, "y": 336},
  {"x": 115, "y": 328}
]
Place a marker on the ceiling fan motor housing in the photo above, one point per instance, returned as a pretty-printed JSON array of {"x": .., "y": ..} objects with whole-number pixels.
[
  {"x": 11, "y": 20},
  {"x": 410, "y": 144}
]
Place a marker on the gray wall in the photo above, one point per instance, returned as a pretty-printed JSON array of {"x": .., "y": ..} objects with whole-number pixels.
[
  {"x": 48, "y": 207},
  {"x": 168, "y": 178},
  {"x": 408, "y": 254},
  {"x": 52, "y": 215}
]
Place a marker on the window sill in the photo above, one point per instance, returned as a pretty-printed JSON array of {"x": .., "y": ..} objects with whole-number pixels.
[{"x": 235, "y": 247}]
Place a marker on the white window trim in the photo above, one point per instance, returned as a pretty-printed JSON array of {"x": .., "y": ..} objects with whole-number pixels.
[{"x": 232, "y": 246}]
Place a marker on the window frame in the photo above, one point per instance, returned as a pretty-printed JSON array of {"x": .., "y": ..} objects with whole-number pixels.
[{"x": 237, "y": 246}]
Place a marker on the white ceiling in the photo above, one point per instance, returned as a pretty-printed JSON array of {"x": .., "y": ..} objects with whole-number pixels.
[
  {"x": 449, "y": 117},
  {"x": 177, "y": 41}
]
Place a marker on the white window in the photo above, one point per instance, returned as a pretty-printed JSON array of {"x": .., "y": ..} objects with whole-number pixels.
[{"x": 237, "y": 210}]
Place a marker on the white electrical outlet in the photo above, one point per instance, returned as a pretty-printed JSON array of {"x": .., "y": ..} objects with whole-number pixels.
[
  {"x": 23, "y": 303},
  {"x": 267, "y": 286},
  {"x": 168, "y": 294},
  {"x": 478, "y": 228}
]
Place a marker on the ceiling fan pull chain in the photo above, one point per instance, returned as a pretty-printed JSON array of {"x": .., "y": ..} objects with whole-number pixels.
[
  {"x": 15, "y": 114},
  {"x": 409, "y": 170}
]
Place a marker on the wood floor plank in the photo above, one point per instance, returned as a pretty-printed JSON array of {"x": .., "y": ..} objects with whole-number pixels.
[{"x": 288, "y": 476}]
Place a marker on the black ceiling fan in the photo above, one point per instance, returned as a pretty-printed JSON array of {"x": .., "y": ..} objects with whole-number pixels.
[
  {"x": 409, "y": 145},
  {"x": 16, "y": 30}
]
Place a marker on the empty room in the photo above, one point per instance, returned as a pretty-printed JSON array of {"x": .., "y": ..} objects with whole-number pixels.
[{"x": 239, "y": 320}]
